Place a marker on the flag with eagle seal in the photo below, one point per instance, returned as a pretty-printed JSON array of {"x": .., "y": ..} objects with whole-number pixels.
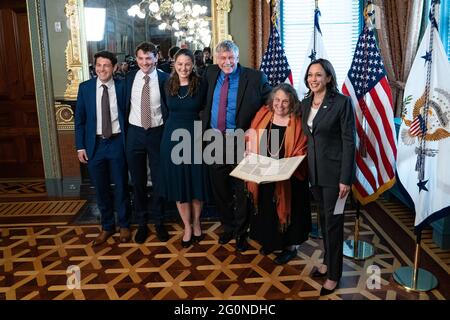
[{"x": 424, "y": 139}]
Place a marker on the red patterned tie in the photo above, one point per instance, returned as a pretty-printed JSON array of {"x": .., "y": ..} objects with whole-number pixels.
[
  {"x": 223, "y": 101},
  {"x": 145, "y": 104}
]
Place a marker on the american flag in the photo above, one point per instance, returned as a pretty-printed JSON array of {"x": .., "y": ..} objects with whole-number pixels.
[
  {"x": 418, "y": 127},
  {"x": 274, "y": 63},
  {"x": 368, "y": 87}
]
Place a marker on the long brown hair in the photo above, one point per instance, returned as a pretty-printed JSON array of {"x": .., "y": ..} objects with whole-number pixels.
[{"x": 174, "y": 80}]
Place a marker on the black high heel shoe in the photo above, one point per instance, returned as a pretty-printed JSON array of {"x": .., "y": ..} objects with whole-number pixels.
[
  {"x": 186, "y": 244},
  {"x": 198, "y": 238},
  {"x": 324, "y": 291}
]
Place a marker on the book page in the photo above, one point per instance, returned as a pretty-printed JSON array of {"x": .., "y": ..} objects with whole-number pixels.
[{"x": 261, "y": 169}]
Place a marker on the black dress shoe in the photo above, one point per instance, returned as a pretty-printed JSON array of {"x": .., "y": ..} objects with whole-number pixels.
[
  {"x": 324, "y": 291},
  {"x": 265, "y": 251},
  {"x": 186, "y": 244},
  {"x": 285, "y": 256},
  {"x": 198, "y": 238},
  {"x": 241, "y": 243},
  {"x": 141, "y": 234},
  {"x": 225, "y": 237},
  {"x": 161, "y": 232},
  {"x": 318, "y": 274}
]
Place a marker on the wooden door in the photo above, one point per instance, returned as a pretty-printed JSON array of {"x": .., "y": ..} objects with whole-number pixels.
[{"x": 20, "y": 145}]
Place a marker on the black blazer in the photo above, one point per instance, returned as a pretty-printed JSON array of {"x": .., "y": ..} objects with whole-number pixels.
[
  {"x": 162, "y": 78},
  {"x": 252, "y": 94},
  {"x": 331, "y": 144}
]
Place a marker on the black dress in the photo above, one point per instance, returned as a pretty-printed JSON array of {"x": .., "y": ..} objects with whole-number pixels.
[
  {"x": 265, "y": 225},
  {"x": 187, "y": 180}
]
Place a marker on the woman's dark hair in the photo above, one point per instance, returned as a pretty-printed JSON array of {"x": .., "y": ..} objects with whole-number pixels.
[
  {"x": 198, "y": 54},
  {"x": 329, "y": 71},
  {"x": 294, "y": 103},
  {"x": 174, "y": 80},
  {"x": 107, "y": 55}
]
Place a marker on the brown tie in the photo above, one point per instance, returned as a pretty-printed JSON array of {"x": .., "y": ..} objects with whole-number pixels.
[
  {"x": 106, "y": 114},
  {"x": 145, "y": 104}
]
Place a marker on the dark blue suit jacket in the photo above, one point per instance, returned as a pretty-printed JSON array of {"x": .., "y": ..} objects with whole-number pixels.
[
  {"x": 129, "y": 80},
  {"x": 86, "y": 114}
]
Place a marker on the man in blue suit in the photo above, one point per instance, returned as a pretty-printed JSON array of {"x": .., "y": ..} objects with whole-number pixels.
[
  {"x": 100, "y": 143},
  {"x": 146, "y": 113}
]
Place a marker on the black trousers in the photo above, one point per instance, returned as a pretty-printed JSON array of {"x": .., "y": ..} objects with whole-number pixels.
[
  {"x": 332, "y": 230},
  {"x": 143, "y": 144},
  {"x": 230, "y": 197}
]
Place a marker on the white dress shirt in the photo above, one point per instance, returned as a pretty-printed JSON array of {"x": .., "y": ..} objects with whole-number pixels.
[
  {"x": 155, "y": 100},
  {"x": 311, "y": 116},
  {"x": 112, "y": 106}
]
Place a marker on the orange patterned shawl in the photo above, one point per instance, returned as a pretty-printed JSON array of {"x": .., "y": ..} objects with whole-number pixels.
[{"x": 295, "y": 144}]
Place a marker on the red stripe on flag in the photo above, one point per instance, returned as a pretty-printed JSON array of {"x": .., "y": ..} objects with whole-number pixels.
[
  {"x": 362, "y": 192},
  {"x": 376, "y": 132},
  {"x": 370, "y": 150},
  {"x": 345, "y": 90},
  {"x": 291, "y": 78},
  {"x": 415, "y": 129},
  {"x": 385, "y": 84},
  {"x": 386, "y": 125},
  {"x": 366, "y": 171}
]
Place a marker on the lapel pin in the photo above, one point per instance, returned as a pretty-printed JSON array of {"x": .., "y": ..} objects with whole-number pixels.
[{"x": 325, "y": 107}]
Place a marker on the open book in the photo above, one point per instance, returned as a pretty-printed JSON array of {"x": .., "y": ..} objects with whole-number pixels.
[{"x": 260, "y": 169}]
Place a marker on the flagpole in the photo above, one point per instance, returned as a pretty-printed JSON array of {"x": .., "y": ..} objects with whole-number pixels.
[
  {"x": 314, "y": 25},
  {"x": 414, "y": 278},
  {"x": 357, "y": 249},
  {"x": 316, "y": 232}
]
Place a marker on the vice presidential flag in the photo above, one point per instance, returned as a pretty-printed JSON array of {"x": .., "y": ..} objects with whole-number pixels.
[
  {"x": 424, "y": 138},
  {"x": 315, "y": 51},
  {"x": 368, "y": 86},
  {"x": 274, "y": 63}
]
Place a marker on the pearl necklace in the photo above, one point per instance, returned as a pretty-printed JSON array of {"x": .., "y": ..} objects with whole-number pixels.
[{"x": 182, "y": 97}]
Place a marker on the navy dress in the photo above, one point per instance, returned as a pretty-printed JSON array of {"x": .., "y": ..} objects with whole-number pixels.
[{"x": 184, "y": 179}]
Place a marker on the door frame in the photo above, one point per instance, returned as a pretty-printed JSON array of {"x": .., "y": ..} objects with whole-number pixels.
[{"x": 40, "y": 53}]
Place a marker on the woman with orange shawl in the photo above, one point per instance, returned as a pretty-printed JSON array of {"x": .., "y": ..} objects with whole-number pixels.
[{"x": 282, "y": 216}]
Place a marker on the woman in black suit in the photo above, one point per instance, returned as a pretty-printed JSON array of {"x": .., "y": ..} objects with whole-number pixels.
[{"x": 329, "y": 123}]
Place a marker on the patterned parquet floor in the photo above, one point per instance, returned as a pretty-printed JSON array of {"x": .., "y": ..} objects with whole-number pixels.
[
  {"x": 404, "y": 217},
  {"x": 21, "y": 188},
  {"x": 34, "y": 262}
]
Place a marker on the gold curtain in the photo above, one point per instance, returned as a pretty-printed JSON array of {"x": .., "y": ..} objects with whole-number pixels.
[
  {"x": 259, "y": 26},
  {"x": 399, "y": 39}
]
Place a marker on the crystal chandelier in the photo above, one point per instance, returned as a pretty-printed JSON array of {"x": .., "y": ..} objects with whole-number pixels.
[
  {"x": 197, "y": 32},
  {"x": 171, "y": 15}
]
